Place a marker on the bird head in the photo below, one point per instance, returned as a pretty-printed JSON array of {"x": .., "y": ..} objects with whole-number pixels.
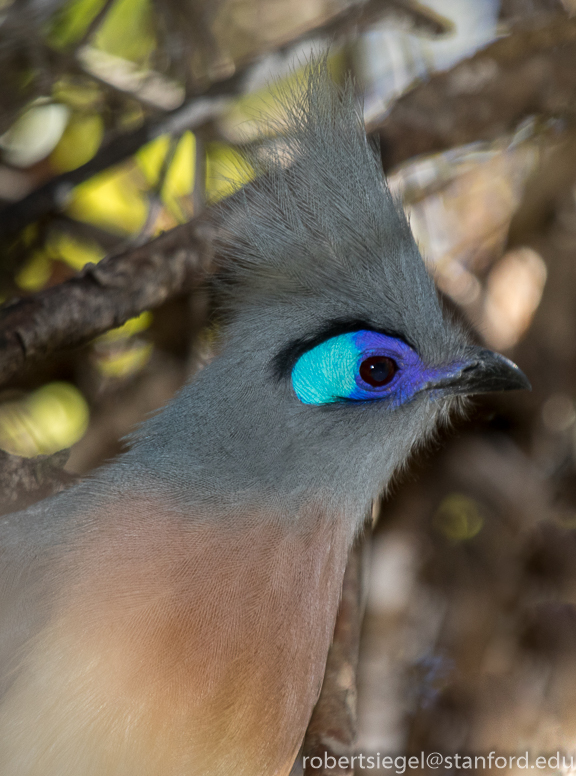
[{"x": 336, "y": 357}]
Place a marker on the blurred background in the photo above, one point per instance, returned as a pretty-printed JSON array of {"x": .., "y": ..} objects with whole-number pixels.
[{"x": 134, "y": 115}]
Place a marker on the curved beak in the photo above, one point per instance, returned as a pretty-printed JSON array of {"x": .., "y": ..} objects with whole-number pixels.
[{"x": 481, "y": 371}]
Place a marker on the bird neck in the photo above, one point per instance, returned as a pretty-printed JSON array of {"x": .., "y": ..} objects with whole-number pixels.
[{"x": 249, "y": 443}]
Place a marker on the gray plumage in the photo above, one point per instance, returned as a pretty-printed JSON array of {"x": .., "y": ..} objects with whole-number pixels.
[{"x": 317, "y": 239}]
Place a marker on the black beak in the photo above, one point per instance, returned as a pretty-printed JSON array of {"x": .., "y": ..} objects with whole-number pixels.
[{"x": 481, "y": 371}]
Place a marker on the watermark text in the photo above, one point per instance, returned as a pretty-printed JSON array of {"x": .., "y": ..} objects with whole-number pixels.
[{"x": 436, "y": 761}]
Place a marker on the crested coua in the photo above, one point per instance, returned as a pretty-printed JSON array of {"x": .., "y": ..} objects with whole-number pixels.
[{"x": 172, "y": 614}]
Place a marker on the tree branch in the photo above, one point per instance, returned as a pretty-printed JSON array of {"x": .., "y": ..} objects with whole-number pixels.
[
  {"x": 26, "y": 480},
  {"x": 197, "y": 111},
  {"x": 53, "y": 195},
  {"x": 532, "y": 72},
  {"x": 103, "y": 296}
]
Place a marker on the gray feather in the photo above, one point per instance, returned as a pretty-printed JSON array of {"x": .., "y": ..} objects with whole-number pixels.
[
  {"x": 320, "y": 223},
  {"x": 317, "y": 238}
]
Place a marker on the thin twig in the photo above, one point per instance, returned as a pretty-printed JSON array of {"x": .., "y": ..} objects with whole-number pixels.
[{"x": 199, "y": 189}]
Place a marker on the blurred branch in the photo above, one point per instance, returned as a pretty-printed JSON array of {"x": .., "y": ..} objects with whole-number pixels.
[
  {"x": 198, "y": 110},
  {"x": 359, "y": 15},
  {"x": 26, "y": 480},
  {"x": 524, "y": 12},
  {"x": 529, "y": 72},
  {"x": 332, "y": 729},
  {"x": 53, "y": 195},
  {"x": 103, "y": 296},
  {"x": 532, "y": 72},
  {"x": 199, "y": 190}
]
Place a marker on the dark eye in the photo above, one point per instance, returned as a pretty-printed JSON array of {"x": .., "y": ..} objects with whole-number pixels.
[{"x": 378, "y": 370}]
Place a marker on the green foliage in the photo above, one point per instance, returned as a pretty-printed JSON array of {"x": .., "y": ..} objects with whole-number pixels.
[
  {"x": 74, "y": 252},
  {"x": 113, "y": 200},
  {"x": 226, "y": 171},
  {"x": 79, "y": 142},
  {"x": 128, "y": 30},
  {"x": 49, "y": 419},
  {"x": 70, "y": 24}
]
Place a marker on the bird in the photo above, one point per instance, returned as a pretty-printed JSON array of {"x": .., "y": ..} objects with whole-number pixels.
[{"x": 171, "y": 614}]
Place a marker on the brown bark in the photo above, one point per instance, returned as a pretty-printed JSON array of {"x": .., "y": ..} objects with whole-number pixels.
[
  {"x": 102, "y": 296},
  {"x": 26, "y": 480},
  {"x": 531, "y": 72}
]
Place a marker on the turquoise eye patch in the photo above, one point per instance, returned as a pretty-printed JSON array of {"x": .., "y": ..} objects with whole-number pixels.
[
  {"x": 330, "y": 372},
  {"x": 325, "y": 374}
]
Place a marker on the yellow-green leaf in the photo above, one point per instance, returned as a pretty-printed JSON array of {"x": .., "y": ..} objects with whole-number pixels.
[
  {"x": 132, "y": 326},
  {"x": 226, "y": 171},
  {"x": 50, "y": 419},
  {"x": 69, "y": 25},
  {"x": 179, "y": 179},
  {"x": 128, "y": 30},
  {"x": 112, "y": 200},
  {"x": 35, "y": 273},
  {"x": 79, "y": 142},
  {"x": 122, "y": 362},
  {"x": 150, "y": 158},
  {"x": 79, "y": 92},
  {"x": 74, "y": 252}
]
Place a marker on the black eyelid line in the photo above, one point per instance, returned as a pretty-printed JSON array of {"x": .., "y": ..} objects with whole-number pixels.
[{"x": 283, "y": 361}]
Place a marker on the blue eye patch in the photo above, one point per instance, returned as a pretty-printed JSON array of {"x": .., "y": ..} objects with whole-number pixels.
[{"x": 335, "y": 370}]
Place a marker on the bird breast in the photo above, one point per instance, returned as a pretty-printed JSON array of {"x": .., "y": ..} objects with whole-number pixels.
[{"x": 177, "y": 645}]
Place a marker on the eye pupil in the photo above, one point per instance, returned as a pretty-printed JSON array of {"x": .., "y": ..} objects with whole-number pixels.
[{"x": 378, "y": 371}]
